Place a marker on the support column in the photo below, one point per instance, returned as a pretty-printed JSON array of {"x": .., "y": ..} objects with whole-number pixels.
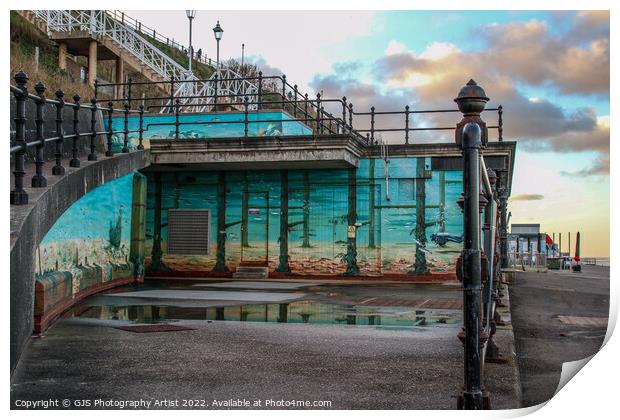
[
  {"x": 283, "y": 266},
  {"x": 138, "y": 225},
  {"x": 351, "y": 257},
  {"x": 118, "y": 76},
  {"x": 420, "y": 218},
  {"x": 306, "y": 211},
  {"x": 245, "y": 195},
  {"x": 156, "y": 252},
  {"x": 62, "y": 56},
  {"x": 503, "y": 215},
  {"x": 92, "y": 62},
  {"x": 442, "y": 201},
  {"x": 371, "y": 204},
  {"x": 220, "y": 265}
]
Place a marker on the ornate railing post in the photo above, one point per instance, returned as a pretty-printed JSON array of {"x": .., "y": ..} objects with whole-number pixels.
[
  {"x": 372, "y": 125},
  {"x": 18, "y": 194},
  {"x": 125, "y": 148},
  {"x": 92, "y": 156},
  {"x": 260, "y": 90},
  {"x": 500, "y": 123},
  {"x": 306, "y": 109},
  {"x": 351, "y": 115},
  {"x": 295, "y": 94},
  {"x": 58, "y": 169},
  {"x": 471, "y": 138},
  {"x": 344, "y": 114},
  {"x": 406, "y": 124},
  {"x": 141, "y": 129},
  {"x": 75, "y": 162},
  {"x": 245, "y": 117},
  {"x": 283, "y": 91},
  {"x": 176, "y": 119},
  {"x": 38, "y": 180},
  {"x": 319, "y": 128},
  {"x": 110, "y": 152}
]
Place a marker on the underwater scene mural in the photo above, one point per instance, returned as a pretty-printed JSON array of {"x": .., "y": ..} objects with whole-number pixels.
[
  {"x": 92, "y": 246},
  {"x": 260, "y": 124},
  {"x": 369, "y": 221}
]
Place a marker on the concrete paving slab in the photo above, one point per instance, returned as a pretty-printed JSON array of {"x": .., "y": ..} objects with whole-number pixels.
[{"x": 210, "y": 295}]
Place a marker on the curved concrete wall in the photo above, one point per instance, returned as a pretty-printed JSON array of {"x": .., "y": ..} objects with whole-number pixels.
[{"x": 30, "y": 224}]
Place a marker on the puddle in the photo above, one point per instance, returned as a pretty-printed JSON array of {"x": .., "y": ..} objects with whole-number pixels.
[{"x": 300, "y": 311}]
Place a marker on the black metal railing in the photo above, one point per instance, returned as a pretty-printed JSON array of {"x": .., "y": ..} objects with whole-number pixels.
[
  {"x": 20, "y": 145},
  {"x": 276, "y": 93}
]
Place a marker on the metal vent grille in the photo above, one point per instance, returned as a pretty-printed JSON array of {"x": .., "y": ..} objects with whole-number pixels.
[{"x": 188, "y": 231}]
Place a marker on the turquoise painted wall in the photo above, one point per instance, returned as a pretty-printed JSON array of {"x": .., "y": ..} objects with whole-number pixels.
[{"x": 318, "y": 242}]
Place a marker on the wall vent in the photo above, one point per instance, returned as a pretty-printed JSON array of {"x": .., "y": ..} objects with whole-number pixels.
[{"x": 188, "y": 231}]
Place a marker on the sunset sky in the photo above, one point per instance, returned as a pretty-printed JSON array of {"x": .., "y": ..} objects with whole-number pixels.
[{"x": 549, "y": 70}]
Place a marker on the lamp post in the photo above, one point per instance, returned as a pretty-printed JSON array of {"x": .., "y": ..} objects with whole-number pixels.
[
  {"x": 242, "y": 56},
  {"x": 218, "y": 31},
  {"x": 190, "y": 15}
]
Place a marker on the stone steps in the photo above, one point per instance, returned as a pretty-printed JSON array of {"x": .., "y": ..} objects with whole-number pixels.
[{"x": 251, "y": 272}]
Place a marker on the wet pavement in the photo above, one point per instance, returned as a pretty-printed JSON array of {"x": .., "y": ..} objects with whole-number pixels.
[
  {"x": 558, "y": 317},
  {"x": 358, "y": 346}
]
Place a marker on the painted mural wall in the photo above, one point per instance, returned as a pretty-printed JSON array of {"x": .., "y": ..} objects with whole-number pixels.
[
  {"x": 197, "y": 126},
  {"x": 93, "y": 245},
  {"x": 369, "y": 221}
]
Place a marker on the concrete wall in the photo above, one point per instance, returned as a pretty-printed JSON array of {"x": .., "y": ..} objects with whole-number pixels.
[{"x": 30, "y": 224}]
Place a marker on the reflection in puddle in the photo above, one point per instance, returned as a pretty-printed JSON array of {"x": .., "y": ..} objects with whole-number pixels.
[{"x": 302, "y": 311}]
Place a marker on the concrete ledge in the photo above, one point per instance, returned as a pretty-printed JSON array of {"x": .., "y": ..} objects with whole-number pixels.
[
  {"x": 294, "y": 152},
  {"x": 31, "y": 222}
]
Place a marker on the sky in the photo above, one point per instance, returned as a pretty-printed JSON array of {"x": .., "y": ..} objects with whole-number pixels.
[{"x": 549, "y": 70}]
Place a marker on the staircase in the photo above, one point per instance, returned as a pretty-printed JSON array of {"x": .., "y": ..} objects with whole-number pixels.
[
  {"x": 251, "y": 272},
  {"x": 139, "y": 53}
]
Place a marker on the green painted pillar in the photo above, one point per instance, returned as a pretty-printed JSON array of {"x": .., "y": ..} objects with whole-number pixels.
[
  {"x": 220, "y": 264},
  {"x": 371, "y": 205},
  {"x": 306, "y": 211},
  {"x": 442, "y": 201},
  {"x": 245, "y": 197},
  {"x": 420, "y": 225},
  {"x": 351, "y": 257},
  {"x": 138, "y": 225},
  {"x": 156, "y": 253},
  {"x": 283, "y": 266}
]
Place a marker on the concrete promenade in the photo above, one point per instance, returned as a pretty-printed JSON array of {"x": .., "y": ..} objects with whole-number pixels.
[
  {"x": 558, "y": 316},
  {"x": 351, "y": 366}
]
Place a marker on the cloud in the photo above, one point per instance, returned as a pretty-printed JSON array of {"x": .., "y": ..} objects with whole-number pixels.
[
  {"x": 517, "y": 54},
  {"x": 527, "y": 197}
]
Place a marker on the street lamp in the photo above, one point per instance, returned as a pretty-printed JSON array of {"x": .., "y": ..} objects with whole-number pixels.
[
  {"x": 218, "y": 31},
  {"x": 190, "y": 15},
  {"x": 242, "y": 54}
]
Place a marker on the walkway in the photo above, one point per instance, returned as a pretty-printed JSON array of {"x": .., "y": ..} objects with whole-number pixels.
[
  {"x": 413, "y": 360},
  {"x": 557, "y": 317}
]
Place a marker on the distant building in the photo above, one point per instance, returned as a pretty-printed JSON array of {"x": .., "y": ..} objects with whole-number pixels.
[{"x": 526, "y": 237}]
